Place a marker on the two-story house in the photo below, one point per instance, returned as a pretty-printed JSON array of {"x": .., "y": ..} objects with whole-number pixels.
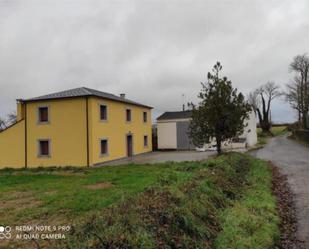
[{"x": 77, "y": 127}]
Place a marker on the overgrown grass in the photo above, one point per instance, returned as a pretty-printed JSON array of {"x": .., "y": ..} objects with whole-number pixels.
[
  {"x": 252, "y": 222},
  {"x": 300, "y": 141},
  {"x": 36, "y": 193},
  {"x": 222, "y": 203},
  {"x": 226, "y": 204}
]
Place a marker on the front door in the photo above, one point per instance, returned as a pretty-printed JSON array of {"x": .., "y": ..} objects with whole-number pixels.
[{"x": 129, "y": 145}]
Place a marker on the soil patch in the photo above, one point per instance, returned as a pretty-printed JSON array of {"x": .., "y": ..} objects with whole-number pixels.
[
  {"x": 19, "y": 203},
  {"x": 100, "y": 185}
]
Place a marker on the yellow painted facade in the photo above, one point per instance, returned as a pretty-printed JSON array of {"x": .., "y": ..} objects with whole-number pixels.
[
  {"x": 68, "y": 131},
  {"x": 12, "y": 146}
]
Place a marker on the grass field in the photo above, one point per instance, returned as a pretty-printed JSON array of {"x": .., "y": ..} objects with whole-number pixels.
[
  {"x": 221, "y": 203},
  {"x": 28, "y": 195},
  {"x": 276, "y": 131}
]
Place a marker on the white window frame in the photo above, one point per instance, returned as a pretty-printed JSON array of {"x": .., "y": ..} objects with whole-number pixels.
[
  {"x": 146, "y": 146},
  {"x": 131, "y": 116},
  {"x": 107, "y": 145},
  {"x": 39, "y": 148},
  {"x": 103, "y": 120},
  {"x": 48, "y": 114},
  {"x": 145, "y": 122}
]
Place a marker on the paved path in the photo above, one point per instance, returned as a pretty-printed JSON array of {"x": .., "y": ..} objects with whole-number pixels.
[
  {"x": 164, "y": 156},
  {"x": 293, "y": 160}
]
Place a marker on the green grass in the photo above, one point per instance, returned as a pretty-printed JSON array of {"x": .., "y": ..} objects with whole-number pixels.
[
  {"x": 225, "y": 202},
  {"x": 263, "y": 138},
  {"x": 298, "y": 140},
  {"x": 252, "y": 222},
  {"x": 64, "y": 192},
  {"x": 276, "y": 131}
]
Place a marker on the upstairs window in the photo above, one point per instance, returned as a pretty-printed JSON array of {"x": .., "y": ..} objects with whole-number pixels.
[
  {"x": 103, "y": 112},
  {"x": 128, "y": 115},
  {"x": 145, "y": 117},
  {"x": 104, "y": 147},
  {"x": 145, "y": 141},
  {"x": 44, "y": 148},
  {"x": 43, "y": 114}
]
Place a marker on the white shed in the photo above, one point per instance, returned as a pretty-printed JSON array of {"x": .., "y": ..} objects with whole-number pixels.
[{"x": 172, "y": 132}]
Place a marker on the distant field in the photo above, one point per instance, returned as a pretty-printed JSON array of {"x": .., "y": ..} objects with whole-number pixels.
[
  {"x": 276, "y": 130},
  {"x": 171, "y": 205}
]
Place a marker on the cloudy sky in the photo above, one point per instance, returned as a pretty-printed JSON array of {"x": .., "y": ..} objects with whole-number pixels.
[{"x": 154, "y": 51}]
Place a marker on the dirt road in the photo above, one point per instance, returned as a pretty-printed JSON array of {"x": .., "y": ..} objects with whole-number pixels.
[{"x": 293, "y": 160}]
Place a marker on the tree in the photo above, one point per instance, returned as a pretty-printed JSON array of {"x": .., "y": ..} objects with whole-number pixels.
[
  {"x": 261, "y": 99},
  {"x": 293, "y": 96},
  {"x": 11, "y": 118},
  {"x": 221, "y": 113},
  {"x": 5, "y": 123},
  {"x": 2, "y": 124},
  {"x": 300, "y": 66}
]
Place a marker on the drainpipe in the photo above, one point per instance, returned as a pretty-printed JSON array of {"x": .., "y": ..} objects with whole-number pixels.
[
  {"x": 26, "y": 137},
  {"x": 87, "y": 131}
]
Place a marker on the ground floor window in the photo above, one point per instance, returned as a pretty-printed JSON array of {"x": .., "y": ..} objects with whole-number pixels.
[
  {"x": 44, "y": 148},
  {"x": 104, "y": 147},
  {"x": 145, "y": 141}
]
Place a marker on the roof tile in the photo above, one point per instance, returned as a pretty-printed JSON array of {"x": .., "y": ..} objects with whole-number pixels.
[{"x": 81, "y": 92}]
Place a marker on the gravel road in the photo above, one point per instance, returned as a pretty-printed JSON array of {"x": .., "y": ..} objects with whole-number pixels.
[{"x": 293, "y": 160}]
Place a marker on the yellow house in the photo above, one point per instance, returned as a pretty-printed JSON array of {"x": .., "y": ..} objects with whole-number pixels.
[{"x": 77, "y": 127}]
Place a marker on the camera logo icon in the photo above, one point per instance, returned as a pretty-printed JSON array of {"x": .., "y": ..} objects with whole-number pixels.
[{"x": 5, "y": 232}]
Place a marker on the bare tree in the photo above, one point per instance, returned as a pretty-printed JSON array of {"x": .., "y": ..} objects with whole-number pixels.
[
  {"x": 253, "y": 100},
  {"x": 300, "y": 66},
  {"x": 2, "y": 124},
  {"x": 11, "y": 118},
  {"x": 261, "y": 99},
  {"x": 293, "y": 96}
]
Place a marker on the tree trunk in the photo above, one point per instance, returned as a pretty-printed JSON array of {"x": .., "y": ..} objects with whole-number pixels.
[
  {"x": 304, "y": 120},
  {"x": 218, "y": 140}
]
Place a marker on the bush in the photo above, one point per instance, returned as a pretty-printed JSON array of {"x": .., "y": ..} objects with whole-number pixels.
[{"x": 301, "y": 135}]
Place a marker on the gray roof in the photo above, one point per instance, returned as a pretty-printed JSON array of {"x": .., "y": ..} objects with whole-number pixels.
[
  {"x": 175, "y": 115},
  {"x": 82, "y": 92}
]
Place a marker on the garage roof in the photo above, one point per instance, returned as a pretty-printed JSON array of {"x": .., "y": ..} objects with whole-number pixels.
[{"x": 175, "y": 115}]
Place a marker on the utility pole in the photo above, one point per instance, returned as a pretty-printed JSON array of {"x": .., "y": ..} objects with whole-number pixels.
[{"x": 183, "y": 102}]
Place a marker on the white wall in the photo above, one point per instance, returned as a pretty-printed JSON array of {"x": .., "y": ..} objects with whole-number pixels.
[
  {"x": 167, "y": 135},
  {"x": 250, "y": 131}
]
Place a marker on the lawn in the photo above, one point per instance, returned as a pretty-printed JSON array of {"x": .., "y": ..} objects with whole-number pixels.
[
  {"x": 222, "y": 203},
  {"x": 28, "y": 195}
]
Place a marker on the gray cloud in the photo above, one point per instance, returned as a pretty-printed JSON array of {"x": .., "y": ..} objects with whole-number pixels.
[{"x": 154, "y": 51}]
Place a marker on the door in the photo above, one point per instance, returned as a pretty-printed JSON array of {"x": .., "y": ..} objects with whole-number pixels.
[{"x": 129, "y": 145}]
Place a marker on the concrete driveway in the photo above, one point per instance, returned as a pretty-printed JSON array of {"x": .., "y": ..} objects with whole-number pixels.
[
  {"x": 164, "y": 156},
  {"x": 293, "y": 160}
]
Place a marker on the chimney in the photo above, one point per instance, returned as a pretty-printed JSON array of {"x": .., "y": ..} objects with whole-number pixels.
[{"x": 122, "y": 95}]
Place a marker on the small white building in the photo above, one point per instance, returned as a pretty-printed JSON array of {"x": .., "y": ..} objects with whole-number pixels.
[{"x": 172, "y": 132}]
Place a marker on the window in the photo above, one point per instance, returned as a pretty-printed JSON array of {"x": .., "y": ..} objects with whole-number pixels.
[
  {"x": 145, "y": 117},
  {"x": 128, "y": 115},
  {"x": 104, "y": 147},
  {"x": 44, "y": 148},
  {"x": 43, "y": 114},
  {"x": 146, "y": 141},
  {"x": 103, "y": 112}
]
